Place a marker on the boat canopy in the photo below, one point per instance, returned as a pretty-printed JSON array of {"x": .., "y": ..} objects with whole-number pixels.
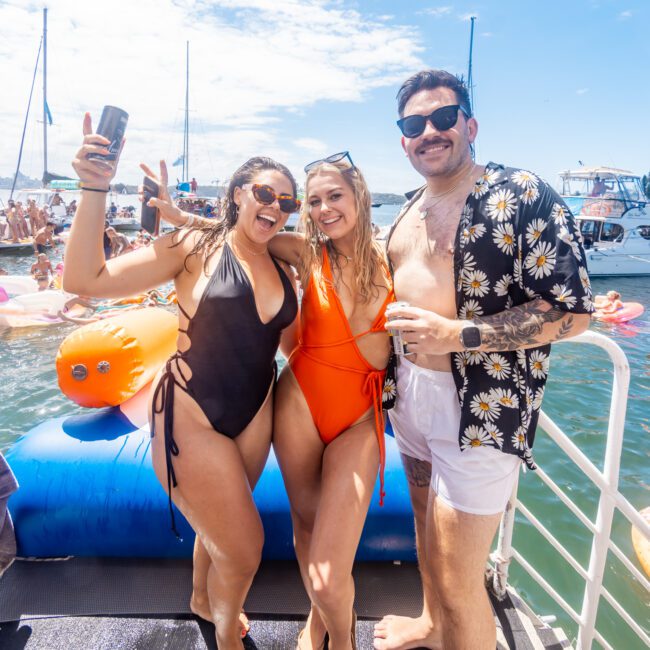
[
  {"x": 67, "y": 184},
  {"x": 601, "y": 191},
  {"x": 590, "y": 173}
]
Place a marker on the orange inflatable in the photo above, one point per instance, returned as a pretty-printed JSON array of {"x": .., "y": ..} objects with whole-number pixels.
[
  {"x": 641, "y": 543},
  {"x": 107, "y": 362}
]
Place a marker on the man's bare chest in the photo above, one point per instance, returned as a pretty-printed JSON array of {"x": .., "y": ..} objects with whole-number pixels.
[{"x": 426, "y": 235}]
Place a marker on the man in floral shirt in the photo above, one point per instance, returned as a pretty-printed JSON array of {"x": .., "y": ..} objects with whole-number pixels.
[{"x": 491, "y": 263}]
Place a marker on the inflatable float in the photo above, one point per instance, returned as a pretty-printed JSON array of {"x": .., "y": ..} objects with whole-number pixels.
[
  {"x": 629, "y": 311},
  {"x": 87, "y": 488},
  {"x": 107, "y": 362},
  {"x": 641, "y": 543},
  {"x": 32, "y": 309},
  {"x": 16, "y": 285},
  {"x": 87, "y": 484}
]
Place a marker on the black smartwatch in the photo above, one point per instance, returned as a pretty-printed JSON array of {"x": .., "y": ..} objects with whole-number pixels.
[{"x": 470, "y": 337}]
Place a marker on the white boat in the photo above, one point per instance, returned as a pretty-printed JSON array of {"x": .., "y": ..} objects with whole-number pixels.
[
  {"x": 44, "y": 196},
  {"x": 59, "y": 214},
  {"x": 612, "y": 212},
  {"x": 125, "y": 224}
]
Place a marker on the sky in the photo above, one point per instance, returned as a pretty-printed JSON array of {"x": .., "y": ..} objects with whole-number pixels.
[{"x": 555, "y": 82}]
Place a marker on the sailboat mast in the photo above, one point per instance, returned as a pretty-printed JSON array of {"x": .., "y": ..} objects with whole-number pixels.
[
  {"x": 470, "y": 81},
  {"x": 186, "y": 131},
  {"x": 29, "y": 103},
  {"x": 470, "y": 85},
  {"x": 44, "y": 92}
]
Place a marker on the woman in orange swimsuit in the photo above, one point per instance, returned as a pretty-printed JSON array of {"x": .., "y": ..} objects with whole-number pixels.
[{"x": 328, "y": 424}]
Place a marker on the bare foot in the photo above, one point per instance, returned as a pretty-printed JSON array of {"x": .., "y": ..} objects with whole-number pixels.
[
  {"x": 312, "y": 636},
  {"x": 201, "y": 608},
  {"x": 403, "y": 632}
]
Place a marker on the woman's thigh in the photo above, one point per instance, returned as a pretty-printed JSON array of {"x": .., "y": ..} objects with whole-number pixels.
[
  {"x": 213, "y": 491},
  {"x": 254, "y": 442},
  {"x": 349, "y": 474},
  {"x": 297, "y": 445}
]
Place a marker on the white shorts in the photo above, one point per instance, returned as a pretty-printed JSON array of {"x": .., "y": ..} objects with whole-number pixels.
[{"x": 426, "y": 420}]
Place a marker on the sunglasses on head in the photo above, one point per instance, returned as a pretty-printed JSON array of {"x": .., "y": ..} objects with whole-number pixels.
[
  {"x": 442, "y": 119},
  {"x": 334, "y": 158},
  {"x": 266, "y": 195}
]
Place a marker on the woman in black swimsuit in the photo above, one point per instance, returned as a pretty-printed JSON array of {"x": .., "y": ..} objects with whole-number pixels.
[{"x": 211, "y": 405}]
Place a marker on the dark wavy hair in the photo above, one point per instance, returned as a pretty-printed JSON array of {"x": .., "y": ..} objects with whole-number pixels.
[
  {"x": 213, "y": 234},
  {"x": 429, "y": 80}
]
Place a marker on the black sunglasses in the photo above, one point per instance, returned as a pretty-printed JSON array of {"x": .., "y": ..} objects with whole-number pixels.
[
  {"x": 442, "y": 119},
  {"x": 334, "y": 158},
  {"x": 266, "y": 195}
]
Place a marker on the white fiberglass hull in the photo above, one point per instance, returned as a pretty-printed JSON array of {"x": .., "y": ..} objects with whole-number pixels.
[{"x": 611, "y": 262}]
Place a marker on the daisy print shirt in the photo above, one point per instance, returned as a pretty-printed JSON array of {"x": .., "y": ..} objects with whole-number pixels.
[{"x": 516, "y": 242}]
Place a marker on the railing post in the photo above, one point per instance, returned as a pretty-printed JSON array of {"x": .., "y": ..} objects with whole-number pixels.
[
  {"x": 598, "y": 557},
  {"x": 503, "y": 553}
]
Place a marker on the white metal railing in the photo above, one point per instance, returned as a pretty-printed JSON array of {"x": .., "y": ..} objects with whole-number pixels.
[{"x": 610, "y": 499}]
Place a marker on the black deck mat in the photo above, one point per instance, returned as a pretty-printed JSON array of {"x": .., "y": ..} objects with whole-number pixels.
[
  {"x": 90, "y": 633},
  {"x": 106, "y": 586},
  {"x": 87, "y": 603}
]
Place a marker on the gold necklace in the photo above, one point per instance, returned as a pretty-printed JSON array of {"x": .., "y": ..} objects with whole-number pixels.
[
  {"x": 427, "y": 204},
  {"x": 338, "y": 253},
  {"x": 252, "y": 252}
]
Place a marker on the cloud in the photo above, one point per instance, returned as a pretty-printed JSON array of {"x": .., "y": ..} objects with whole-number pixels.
[
  {"x": 487, "y": 34},
  {"x": 254, "y": 64},
  {"x": 624, "y": 15},
  {"x": 311, "y": 145},
  {"x": 467, "y": 17},
  {"x": 437, "y": 12},
  {"x": 582, "y": 91}
]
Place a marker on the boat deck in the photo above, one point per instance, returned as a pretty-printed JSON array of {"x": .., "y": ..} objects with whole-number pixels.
[
  {"x": 24, "y": 245},
  {"x": 98, "y": 603}
]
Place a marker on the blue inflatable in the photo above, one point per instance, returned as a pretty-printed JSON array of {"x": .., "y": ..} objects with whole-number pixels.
[{"x": 87, "y": 488}]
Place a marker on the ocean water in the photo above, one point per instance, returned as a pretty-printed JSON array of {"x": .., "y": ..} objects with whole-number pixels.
[{"x": 577, "y": 399}]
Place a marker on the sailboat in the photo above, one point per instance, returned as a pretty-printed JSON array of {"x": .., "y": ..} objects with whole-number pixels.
[
  {"x": 65, "y": 187},
  {"x": 183, "y": 187},
  {"x": 52, "y": 184},
  {"x": 48, "y": 176}
]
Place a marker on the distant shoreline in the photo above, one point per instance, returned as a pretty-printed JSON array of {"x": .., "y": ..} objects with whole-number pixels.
[{"x": 203, "y": 190}]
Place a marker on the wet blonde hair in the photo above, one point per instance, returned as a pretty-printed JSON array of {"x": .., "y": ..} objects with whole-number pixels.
[{"x": 368, "y": 255}]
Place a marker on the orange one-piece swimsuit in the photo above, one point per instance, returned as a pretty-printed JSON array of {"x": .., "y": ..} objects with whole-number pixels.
[{"x": 336, "y": 379}]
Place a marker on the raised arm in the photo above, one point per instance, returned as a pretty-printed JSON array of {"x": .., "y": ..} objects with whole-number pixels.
[
  {"x": 287, "y": 246},
  {"x": 86, "y": 269}
]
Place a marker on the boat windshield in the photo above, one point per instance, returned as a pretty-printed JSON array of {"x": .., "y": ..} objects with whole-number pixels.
[{"x": 606, "y": 195}]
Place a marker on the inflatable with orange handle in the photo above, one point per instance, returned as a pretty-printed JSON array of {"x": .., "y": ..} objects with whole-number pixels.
[{"x": 107, "y": 362}]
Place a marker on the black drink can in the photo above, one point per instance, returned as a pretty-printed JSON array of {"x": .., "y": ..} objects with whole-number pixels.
[{"x": 112, "y": 125}]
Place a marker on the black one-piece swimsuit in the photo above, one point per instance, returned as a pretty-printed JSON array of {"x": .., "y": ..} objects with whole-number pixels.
[{"x": 231, "y": 356}]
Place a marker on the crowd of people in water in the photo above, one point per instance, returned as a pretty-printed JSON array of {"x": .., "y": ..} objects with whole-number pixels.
[{"x": 475, "y": 295}]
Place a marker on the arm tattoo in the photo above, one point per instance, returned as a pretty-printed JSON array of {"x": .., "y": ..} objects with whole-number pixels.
[
  {"x": 565, "y": 329},
  {"x": 522, "y": 326},
  {"x": 418, "y": 472}
]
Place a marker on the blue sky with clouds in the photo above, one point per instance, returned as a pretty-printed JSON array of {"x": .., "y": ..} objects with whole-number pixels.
[{"x": 554, "y": 82}]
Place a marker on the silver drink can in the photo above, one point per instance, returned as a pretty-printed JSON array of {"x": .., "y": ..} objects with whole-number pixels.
[
  {"x": 396, "y": 335},
  {"x": 112, "y": 125}
]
